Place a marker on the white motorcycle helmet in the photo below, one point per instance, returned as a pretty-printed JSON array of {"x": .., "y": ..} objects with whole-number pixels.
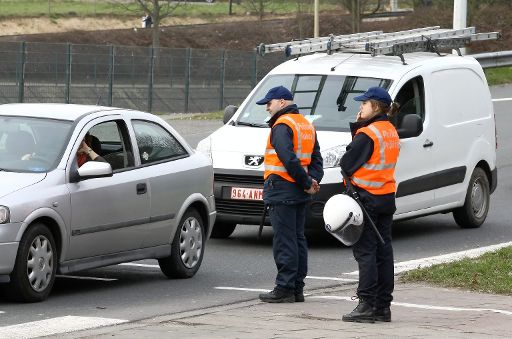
[{"x": 343, "y": 218}]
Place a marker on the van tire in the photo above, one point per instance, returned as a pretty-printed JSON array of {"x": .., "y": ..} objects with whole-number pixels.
[
  {"x": 35, "y": 267},
  {"x": 187, "y": 249},
  {"x": 222, "y": 230},
  {"x": 476, "y": 205}
]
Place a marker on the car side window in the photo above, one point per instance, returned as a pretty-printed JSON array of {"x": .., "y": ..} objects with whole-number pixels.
[
  {"x": 155, "y": 143},
  {"x": 111, "y": 141},
  {"x": 411, "y": 99}
]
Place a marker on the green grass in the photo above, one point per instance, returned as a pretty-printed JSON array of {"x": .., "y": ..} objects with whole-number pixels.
[
  {"x": 490, "y": 273},
  {"x": 499, "y": 75},
  {"x": 59, "y": 8}
]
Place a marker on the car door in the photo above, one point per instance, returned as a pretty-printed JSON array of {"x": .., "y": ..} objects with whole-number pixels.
[
  {"x": 108, "y": 214},
  {"x": 415, "y": 163},
  {"x": 167, "y": 166}
]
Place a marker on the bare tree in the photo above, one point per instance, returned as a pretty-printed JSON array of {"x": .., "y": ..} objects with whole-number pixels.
[
  {"x": 158, "y": 10},
  {"x": 360, "y": 9}
]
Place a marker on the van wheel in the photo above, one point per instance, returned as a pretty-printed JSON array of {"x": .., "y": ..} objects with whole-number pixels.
[
  {"x": 35, "y": 267},
  {"x": 222, "y": 230},
  {"x": 476, "y": 205},
  {"x": 187, "y": 248}
]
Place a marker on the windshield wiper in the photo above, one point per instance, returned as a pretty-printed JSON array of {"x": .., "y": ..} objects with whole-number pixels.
[{"x": 252, "y": 124}]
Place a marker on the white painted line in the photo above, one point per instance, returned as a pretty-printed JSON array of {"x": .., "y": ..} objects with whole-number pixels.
[
  {"x": 502, "y": 99},
  {"x": 139, "y": 265},
  {"x": 441, "y": 259},
  {"x": 331, "y": 278},
  {"x": 55, "y": 326},
  {"x": 241, "y": 289},
  {"x": 2, "y": 312},
  {"x": 85, "y": 278},
  {"x": 426, "y": 307}
]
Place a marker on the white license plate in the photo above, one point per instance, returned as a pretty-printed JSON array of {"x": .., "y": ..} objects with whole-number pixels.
[{"x": 246, "y": 193}]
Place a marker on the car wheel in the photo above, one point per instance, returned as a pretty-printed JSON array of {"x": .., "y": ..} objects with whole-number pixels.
[
  {"x": 222, "y": 230},
  {"x": 187, "y": 248},
  {"x": 476, "y": 205},
  {"x": 35, "y": 267}
]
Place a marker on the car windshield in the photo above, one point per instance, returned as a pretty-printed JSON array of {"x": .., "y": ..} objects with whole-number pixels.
[
  {"x": 32, "y": 144},
  {"x": 325, "y": 100}
]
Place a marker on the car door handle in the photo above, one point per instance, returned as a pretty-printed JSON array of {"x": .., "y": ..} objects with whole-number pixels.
[
  {"x": 428, "y": 143},
  {"x": 141, "y": 188}
]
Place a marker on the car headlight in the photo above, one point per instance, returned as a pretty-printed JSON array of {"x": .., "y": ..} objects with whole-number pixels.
[
  {"x": 205, "y": 146},
  {"x": 4, "y": 215},
  {"x": 332, "y": 156}
]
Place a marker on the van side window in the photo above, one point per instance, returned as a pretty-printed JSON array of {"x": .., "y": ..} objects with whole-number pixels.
[{"x": 411, "y": 98}]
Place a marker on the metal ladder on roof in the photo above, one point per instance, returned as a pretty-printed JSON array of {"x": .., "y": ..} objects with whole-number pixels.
[{"x": 427, "y": 39}]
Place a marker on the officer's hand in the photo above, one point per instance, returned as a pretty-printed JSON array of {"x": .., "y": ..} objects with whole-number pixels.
[{"x": 315, "y": 187}]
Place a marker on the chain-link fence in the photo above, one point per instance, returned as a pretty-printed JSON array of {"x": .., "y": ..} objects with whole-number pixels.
[{"x": 160, "y": 80}]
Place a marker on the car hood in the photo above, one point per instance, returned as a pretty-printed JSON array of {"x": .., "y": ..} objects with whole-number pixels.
[{"x": 13, "y": 181}]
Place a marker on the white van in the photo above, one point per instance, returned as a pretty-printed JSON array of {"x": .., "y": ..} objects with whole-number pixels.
[{"x": 446, "y": 125}]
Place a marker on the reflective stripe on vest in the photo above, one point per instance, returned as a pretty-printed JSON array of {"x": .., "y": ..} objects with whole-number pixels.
[
  {"x": 377, "y": 174},
  {"x": 303, "y": 144}
]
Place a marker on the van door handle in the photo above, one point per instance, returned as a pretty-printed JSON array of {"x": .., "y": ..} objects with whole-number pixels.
[
  {"x": 428, "y": 143},
  {"x": 141, "y": 188}
]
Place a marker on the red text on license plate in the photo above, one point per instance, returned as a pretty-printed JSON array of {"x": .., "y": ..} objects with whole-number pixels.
[{"x": 246, "y": 193}]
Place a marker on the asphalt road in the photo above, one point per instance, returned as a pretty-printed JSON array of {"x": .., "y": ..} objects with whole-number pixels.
[{"x": 131, "y": 292}]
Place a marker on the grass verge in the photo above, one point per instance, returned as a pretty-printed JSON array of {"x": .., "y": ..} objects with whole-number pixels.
[
  {"x": 498, "y": 75},
  {"x": 489, "y": 273}
]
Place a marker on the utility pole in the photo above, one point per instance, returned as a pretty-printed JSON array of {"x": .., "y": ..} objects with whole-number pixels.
[
  {"x": 460, "y": 13},
  {"x": 316, "y": 28},
  {"x": 393, "y": 4}
]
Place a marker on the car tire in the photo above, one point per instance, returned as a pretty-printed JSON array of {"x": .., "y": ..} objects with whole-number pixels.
[
  {"x": 476, "y": 206},
  {"x": 222, "y": 230},
  {"x": 35, "y": 267},
  {"x": 187, "y": 248}
]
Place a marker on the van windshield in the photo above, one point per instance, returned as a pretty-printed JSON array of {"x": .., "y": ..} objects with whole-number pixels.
[{"x": 325, "y": 100}]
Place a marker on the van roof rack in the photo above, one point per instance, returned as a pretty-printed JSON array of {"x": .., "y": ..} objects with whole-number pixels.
[{"x": 426, "y": 39}]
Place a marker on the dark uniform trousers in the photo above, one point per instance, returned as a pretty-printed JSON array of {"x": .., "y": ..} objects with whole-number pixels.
[
  {"x": 290, "y": 245},
  {"x": 375, "y": 260}
]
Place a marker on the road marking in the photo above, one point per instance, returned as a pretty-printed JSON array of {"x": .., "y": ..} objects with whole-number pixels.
[
  {"x": 242, "y": 289},
  {"x": 445, "y": 258},
  {"x": 502, "y": 99},
  {"x": 139, "y": 265},
  {"x": 330, "y": 278},
  {"x": 55, "y": 326},
  {"x": 426, "y": 307},
  {"x": 85, "y": 278}
]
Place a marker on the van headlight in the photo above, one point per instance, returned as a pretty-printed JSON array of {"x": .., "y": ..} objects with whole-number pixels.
[
  {"x": 4, "y": 215},
  {"x": 332, "y": 156},
  {"x": 205, "y": 146}
]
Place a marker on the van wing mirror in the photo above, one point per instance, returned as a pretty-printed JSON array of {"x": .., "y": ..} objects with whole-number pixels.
[
  {"x": 229, "y": 111},
  {"x": 411, "y": 126}
]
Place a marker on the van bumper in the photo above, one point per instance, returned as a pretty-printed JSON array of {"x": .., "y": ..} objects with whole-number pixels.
[{"x": 250, "y": 212}]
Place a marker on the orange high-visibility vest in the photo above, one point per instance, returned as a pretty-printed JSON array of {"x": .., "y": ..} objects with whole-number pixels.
[
  {"x": 303, "y": 144},
  {"x": 377, "y": 175}
]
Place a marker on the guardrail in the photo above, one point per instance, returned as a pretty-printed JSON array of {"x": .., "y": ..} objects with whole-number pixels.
[{"x": 494, "y": 59}]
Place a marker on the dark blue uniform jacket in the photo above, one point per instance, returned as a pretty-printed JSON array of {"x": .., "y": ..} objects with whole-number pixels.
[
  {"x": 279, "y": 190},
  {"x": 359, "y": 152}
]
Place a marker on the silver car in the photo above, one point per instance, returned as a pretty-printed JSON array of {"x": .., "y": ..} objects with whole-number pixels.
[{"x": 140, "y": 192}]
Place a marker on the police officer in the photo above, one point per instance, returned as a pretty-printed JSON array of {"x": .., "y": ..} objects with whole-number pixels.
[
  {"x": 370, "y": 162},
  {"x": 293, "y": 170}
]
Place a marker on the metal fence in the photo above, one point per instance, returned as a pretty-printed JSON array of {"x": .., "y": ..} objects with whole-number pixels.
[
  {"x": 155, "y": 80},
  {"x": 161, "y": 80}
]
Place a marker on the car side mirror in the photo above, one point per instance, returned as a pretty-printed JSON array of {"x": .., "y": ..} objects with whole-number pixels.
[
  {"x": 92, "y": 169},
  {"x": 229, "y": 111},
  {"x": 411, "y": 126}
]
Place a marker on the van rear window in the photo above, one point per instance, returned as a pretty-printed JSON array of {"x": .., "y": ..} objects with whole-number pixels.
[{"x": 326, "y": 100}]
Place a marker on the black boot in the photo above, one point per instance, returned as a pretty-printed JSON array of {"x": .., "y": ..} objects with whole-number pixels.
[
  {"x": 363, "y": 313},
  {"x": 383, "y": 314},
  {"x": 299, "y": 297},
  {"x": 277, "y": 296}
]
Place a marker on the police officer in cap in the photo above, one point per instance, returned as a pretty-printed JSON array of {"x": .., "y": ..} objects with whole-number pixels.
[
  {"x": 293, "y": 170},
  {"x": 369, "y": 162}
]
